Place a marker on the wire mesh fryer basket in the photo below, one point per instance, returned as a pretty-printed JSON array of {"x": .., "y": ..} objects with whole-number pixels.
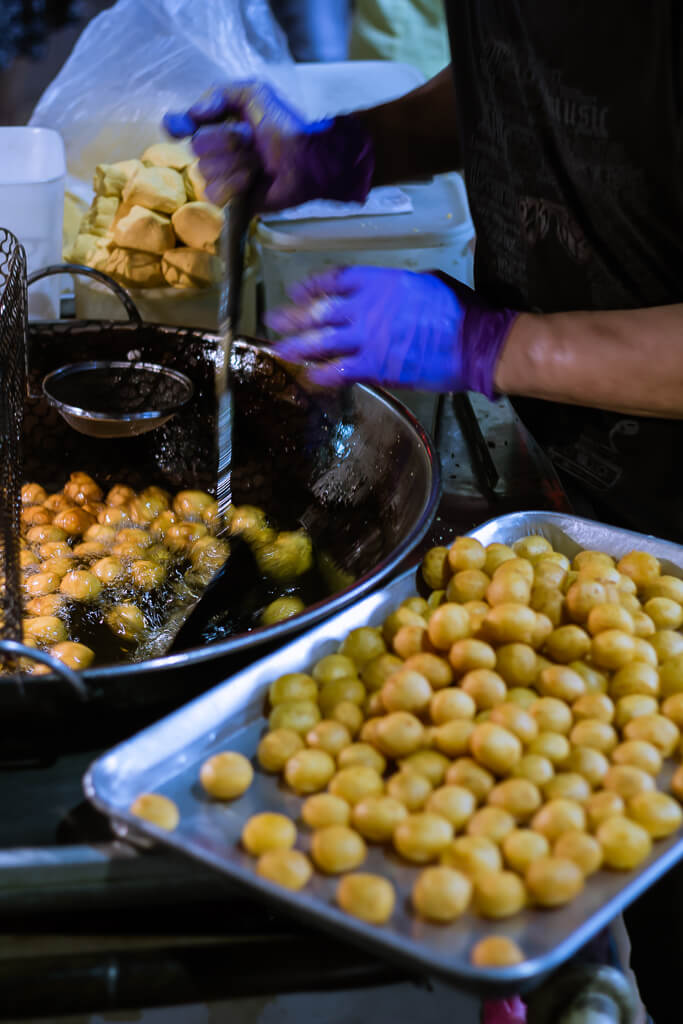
[{"x": 13, "y": 333}]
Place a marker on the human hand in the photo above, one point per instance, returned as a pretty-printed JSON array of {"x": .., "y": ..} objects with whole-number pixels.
[
  {"x": 245, "y": 132},
  {"x": 394, "y": 328}
]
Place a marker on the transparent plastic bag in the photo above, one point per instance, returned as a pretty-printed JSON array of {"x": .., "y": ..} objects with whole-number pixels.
[{"x": 141, "y": 58}]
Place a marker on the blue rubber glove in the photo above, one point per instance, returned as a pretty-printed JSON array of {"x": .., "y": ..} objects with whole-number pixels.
[
  {"x": 245, "y": 132},
  {"x": 393, "y": 328}
]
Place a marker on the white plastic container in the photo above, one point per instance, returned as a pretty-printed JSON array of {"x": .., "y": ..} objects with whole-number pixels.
[{"x": 32, "y": 174}]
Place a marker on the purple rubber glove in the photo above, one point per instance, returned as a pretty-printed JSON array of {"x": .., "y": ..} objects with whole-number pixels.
[
  {"x": 422, "y": 332},
  {"x": 246, "y": 132}
]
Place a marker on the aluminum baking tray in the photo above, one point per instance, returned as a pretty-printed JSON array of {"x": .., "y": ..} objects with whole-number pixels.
[{"x": 166, "y": 758}]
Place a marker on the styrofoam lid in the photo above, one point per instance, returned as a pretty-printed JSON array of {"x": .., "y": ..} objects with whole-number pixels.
[
  {"x": 440, "y": 216},
  {"x": 30, "y": 155}
]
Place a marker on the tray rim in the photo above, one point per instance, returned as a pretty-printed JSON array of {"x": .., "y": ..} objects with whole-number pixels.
[{"x": 385, "y": 943}]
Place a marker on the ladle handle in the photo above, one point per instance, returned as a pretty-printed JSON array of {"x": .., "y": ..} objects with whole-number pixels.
[
  {"x": 77, "y": 269},
  {"x": 63, "y": 671}
]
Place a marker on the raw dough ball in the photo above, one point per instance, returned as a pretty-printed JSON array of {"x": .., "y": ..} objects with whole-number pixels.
[
  {"x": 355, "y": 783},
  {"x": 553, "y": 881},
  {"x": 336, "y": 849},
  {"x": 441, "y": 893},
  {"x": 99, "y": 217},
  {"x": 177, "y": 155},
  {"x": 376, "y": 817},
  {"x": 190, "y": 268},
  {"x": 658, "y": 813},
  {"x": 276, "y": 748},
  {"x": 268, "y": 831},
  {"x": 288, "y": 868},
  {"x": 111, "y": 179},
  {"x": 499, "y": 893},
  {"x": 82, "y": 247},
  {"x": 422, "y": 837},
  {"x": 368, "y": 897},
  {"x": 522, "y": 847},
  {"x": 323, "y": 809},
  {"x": 156, "y": 188},
  {"x": 145, "y": 230},
  {"x": 309, "y": 770},
  {"x": 198, "y": 225},
  {"x": 226, "y": 775},
  {"x": 496, "y": 951},
  {"x": 583, "y": 849},
  {"x": 194, "y": 182},
  {"x": 156, "y": 809},
  {"x": 624, "y": 843},
  {"x": 410, "y": 789},
  {"x": 136, "y": 269},
  {"x": 472, "y": 855}
]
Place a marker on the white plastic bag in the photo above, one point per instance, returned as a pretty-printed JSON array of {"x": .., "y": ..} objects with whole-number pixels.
[{"x": 141, "y": 58}]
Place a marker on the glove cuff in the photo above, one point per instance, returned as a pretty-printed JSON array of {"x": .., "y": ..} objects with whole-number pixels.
[
  {"x": 484, "y": 332},
  {"x": 341, "y": 159}
]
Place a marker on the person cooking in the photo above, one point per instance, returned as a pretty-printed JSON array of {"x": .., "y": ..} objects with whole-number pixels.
[{"x": 567, "y": 122}]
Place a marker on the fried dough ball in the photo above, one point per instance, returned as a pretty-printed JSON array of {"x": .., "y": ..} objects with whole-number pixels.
[
  {"x": 508, "y": 587},
  {"x": 74, "y": 521},
  {"x": 161, "y": 524},
  {"x": 112, "y": 516},
  {"x": 298, "y": 715},
  {"x": 60, "y": 565},
  {"x": 590, "y": 732},
  {"x": 226, "y": 775},
  {"x": 377, "y": 817},
  {"x": 289, "y": 868},
  {"x": 73, "y": 655},
  {"x": 491, "y": 822},
  {"x": 435, "y": 568},
  {"x": 375, "y": 672},
  {"x": 551, "y": 746},
  {"x": 655, "y": 729},
  {"x": 569, "y": 785},
  {"x": 633, "y": 706},
  {"x": 466, "y": 553},
  {"x": 551, "y": 715},
  {"x": 108, "y": 570},
  {"x": 509, "y": 623},
  {"x": 361, "y": 754},
  {"x": 664, "y": 612},
  {"x": 190, "y": 504},
  {"x": 33, "y": 494},
  {"x": 485, "y": 687},
  {"x": 454, "y": 803},
  {"x": 499, "y": 894},
  {"x": 640, "y": 754},
  {"x": 516, "y": 720},
  {"x": 568, "y": 643},
  {"x": 677, "y": 783},
  {"x": 81, "y": 585},
  {"x": 292, "y": 686},
  {"x": 549, "y": 601},
  {"x": 672, "y": 708},
  {"x": 666, "y": 586},
  {"x": 323, "y": 809},
  {"x": 126, "y": 620},
  {"x": 657, "y": 813},
  {"x": 609, "y": 616},
  {"x": 355, "y": 783},
  {"x": 535, "y": 768},
  {"x": 27, "y": 558},
  {"x": 627, "y": 781},
  {"x": 496, "y": 951},
  {"x": 308, "y": 771},
  {"x": 406, "y": 691},
  {"x": 582, "y": 596},
  {"x": 594, "y": 705},
  {"x": 449, "y": 623},
  {"x": 333, "y": 666},
  {"x": 48, "y": 604},
  {"x": 44, "y": 629},
  {"x": 366, "y": 896},
  {"x": 517, "y": 797},
  {"x": 145, "y": 507},
  {"x": 35, "y": 515},
  {"x": 42, "y": 583},
  {"x": 399, "y": 734},
  {"x": 643, "y": 626},
  {"x": 602, "y": 805},
  {"x": 516, "y": 664},
  {"x": 421, "y": 837},
  {"x": 441, "y": 893},
  {"x": 467, "y": 585},
  {"x": 671, "y": 676},
  {"x": 522, "y": 847},
  {"x": 466, "y": 772},
  {"x": 363, "y": 645},
  {"x": 146, "y": 575},
  {"x": 337, "y": 848},
  {"x": 581, "y": 848},
  {"x": 45, "y": 534},
  {"x": 522, "y": 696},
  {"x": 595, "y": 680},
  {"x": 451, "y": 703},
  {"x": 472, "y": 855},
  {"x": 58, "y": 502},
  {"x": 589, "y": 763},
  {"x": 276, "y": 748},
  {"x": 430, "y": 763},
  {"x": 495, "y": 748},
  {"x": 329, "y": 736},
  {"x": 435, "y": 670},
  {"x": 268, "y": 831},
  {"x": 561, "y": 682},
  {"x": 119, "y": 495},
  {"x": 553, "y": 881},
  {"x": 159, "y": 810},
  {"x": 625, "y": 844},
  {"x": 289, "y": 555},
  {"x": 181, "y": 537},
  {"x": 612, "y": 648},
  {"x": 208, "y": 554},
  {"x": 558, "y": 816},
  {"x": 642, "y": 567}
]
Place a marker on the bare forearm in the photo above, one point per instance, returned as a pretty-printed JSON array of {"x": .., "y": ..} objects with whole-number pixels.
[
  {"x": 415, "y": 136},
  {"x": 623, "y": 360}
]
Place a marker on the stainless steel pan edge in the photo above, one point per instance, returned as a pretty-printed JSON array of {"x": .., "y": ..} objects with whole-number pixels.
[{"x": 166, "y": 757}]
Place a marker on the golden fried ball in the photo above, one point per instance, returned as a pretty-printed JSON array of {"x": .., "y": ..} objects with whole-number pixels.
[
  {"x": 568, "y": 785},
  {"x": 441, "y": 893},
  {"x": 431, "y": 667},
  {"x": 33, "y": 494},
  {"x": 362, "y": 754},
  {"x": 74, "y": 655},
  {"x": 466, "y": 553},
  {"x": 495, "y": 748},
  {"x": 366, "y": 896},
  {"x": 363, "y": 645},
  {"x": 589, "y": 763},
  {"x": 289, "y": 868},
  {"x": 658, "y": 813},
  {"x": 268, "y": 831},
  {"x": 499, "y": 894},
  {"x": 356, "y": 782},
  {"x": 671, "y": 676},
  {"x": 584, "y": 850},
  {"x": 643, "y": 626},
  {"x": 477, "y": 611},
  {"x": 532, "y": 547},
  {"x": 582, "y": 596},
  {"x": 609, "y": 616},
  {"x": 337, "y": 848},
  {"x": 677, "y": 783},
  {"x": 591, "y": 732},
  {"x": 612, "y": 648},
  {"x": 466, "y": 772},
  {"x": 207, "y": 555},
  {"x": 589, "y": 557},
  {"x": 112, "y": 516},
  {"x": 406, "y": 690},
  {"x": 42, "y": 583},
  {"x": 416, "y": 604},
  {"x": 548, "y": 601},
  {"x": 329, "y": 736},
  {"x": 468, "y": 654},
  {"x": 508, "y": 587},
  {"x": 558, "y": 816},
  {"x": 627, "y": 780},
  {"x": 191, "y": 504},
  {"x": 491, "y": 822},
  {"x": 108, "y": 570},
  {"x": 48, "y": 604},
  {"x": 554, "y": 881},
  {"x": 375, "y": 672},
  {"x": 655, "y": 729},
  {"x": 308, "y": 771},
  {"x": 496, "y": 951},
  {"x": 640, "y": 754},
  {"x": 409, "y": 640},
  {"x": 119, "y": 495},
  {"x": 672, "y": 707},
  {"x": 299, "y": 715},
  {"x": 59, "y": 565},
  {"x": 44, "y": 629},
  {"x": 509, "y": 623},
  {"x": 633, "y": 706},
  {"x": 496, "y": 554},
  {"x": 292, "y": 686},
  {"x": 334, "y": 666},
  {"x": 146, "y": 574},
  {"x": 421, "y": 837},
  {"x": 410, "y": 789},
  {"x": 625, "y": 844},
  {"x": 636, "y": 677},
  {"x": 349, "y": 715},
  {"x": 399, "y": 734},
  {"x": 516, "y": 664},
  {"x": 667, "y": 643},
  {"x": 535, "y": 768},
  {"x": 522, "y": 847},
  {"x": 402, "y": 619},
  {"x": 664, "y": 612},
  {"x": 551, "y": 715},
  {"x": 593, "y": 705},
  {"x": 430, "y": 763},
  {"x": 467, "y": 585},
  {"x": 552, "y": 746},
  {"x": 518, "y": 797},
  {"x": 323, "y": 809},
  {"x": 81, "y": 585},
  {"x": 451, "y": 703},
  {"x": 334, "y": 691},
  {"x": 485, "y": 687},
  {"x": 602, "y": 805},
  {"x": 226, "y": 775},
  {"x": 568, "y": 643},
  {"x": 435, "y": 568},
  {"x": 276, "y": 748},
  {"x": 454, "y": 803},
  {"x": 522, "y": 696},
  {"x": 449, "y": 623},
  {"x": 516, "y": 720},
  {"x": 159, "y": 810},
  {"x": 126, "y": 621},
  {"x": 160, "y": 526},
  {"x": 472, "y": 855},
  {"x": 561, "y": 682},
  {"x": 289, "y": 555},
  {"x": 596, "y": 681},
  {"x": 377, "y": 817},
  {"x": 34, "y": 515}
]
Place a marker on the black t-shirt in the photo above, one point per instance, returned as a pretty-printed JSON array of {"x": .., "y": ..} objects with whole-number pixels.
[{"x": 570, "y": 119}]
